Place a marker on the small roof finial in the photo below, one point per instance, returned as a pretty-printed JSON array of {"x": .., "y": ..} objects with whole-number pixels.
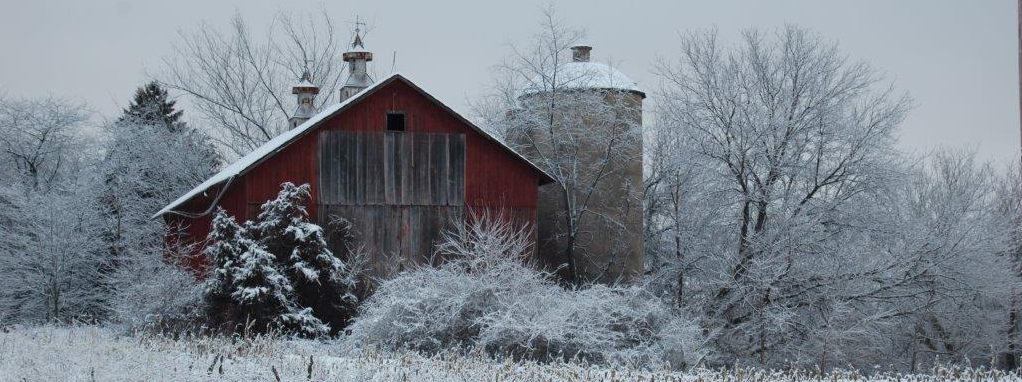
[
  {"x": 305, "y": 74},
  {"x": 356, "y": 57},
  {"x": 305, "y": 84},
  {"x": 306, "y": 92},
  {"x": 358, "y": 38}
]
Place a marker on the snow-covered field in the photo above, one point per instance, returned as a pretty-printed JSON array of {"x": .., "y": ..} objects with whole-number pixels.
[{"x": 97, "y": 354}]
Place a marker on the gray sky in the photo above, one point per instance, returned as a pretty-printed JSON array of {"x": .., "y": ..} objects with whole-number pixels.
[{"x": 958, "y": 59}]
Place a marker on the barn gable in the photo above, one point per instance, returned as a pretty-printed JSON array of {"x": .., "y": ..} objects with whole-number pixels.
[
  {"x": 400, "y": 188},
  {"x": 273, "y": 146}
]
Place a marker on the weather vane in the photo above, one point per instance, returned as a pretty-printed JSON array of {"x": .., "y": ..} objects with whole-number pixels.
[
  {"x": 358, "y": 27},
  {"x": 358, "y": 23}
]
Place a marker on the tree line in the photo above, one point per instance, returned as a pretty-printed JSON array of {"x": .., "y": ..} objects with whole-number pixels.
[{"x": 779, "y": 215}]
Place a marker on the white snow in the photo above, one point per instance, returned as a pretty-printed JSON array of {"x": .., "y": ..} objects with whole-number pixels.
[
  {"x": 98, "y": 354},
  {"x": 586, "y": 75},
  {"x": 305, "y": 84},
  {"x": 308, "y": 271},
  {"x": 304, "y": 321}
]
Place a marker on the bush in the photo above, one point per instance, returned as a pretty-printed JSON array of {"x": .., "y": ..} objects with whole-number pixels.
[
  {"x": 486, "y": 295},
  {"x": 152, "y": 290}
]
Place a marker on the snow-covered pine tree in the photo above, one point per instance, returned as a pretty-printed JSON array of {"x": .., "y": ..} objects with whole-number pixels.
[
  {"x": 222, "y": 254},
  {"x": 246, "y": 289},
  {"x": 260, "y": 291},
  {"x": 151, "y": 104},
  {"x": 319, "y": 278}
]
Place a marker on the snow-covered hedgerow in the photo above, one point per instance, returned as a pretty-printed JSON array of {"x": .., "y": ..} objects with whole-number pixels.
[
  {"x": 87, "y": 354},
  {"x": 484, "y": 295}
]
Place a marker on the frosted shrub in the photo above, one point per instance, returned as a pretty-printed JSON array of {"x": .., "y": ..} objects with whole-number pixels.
[
  {"x": 599, "y": 323},
  {"x": 484, "y": 294},
  {"x": 152, "y": 289}
]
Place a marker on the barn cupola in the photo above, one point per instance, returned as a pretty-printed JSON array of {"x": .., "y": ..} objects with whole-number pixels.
[
  {"x": 306, "y": 92},
  {"x": 358, "y": 78}
]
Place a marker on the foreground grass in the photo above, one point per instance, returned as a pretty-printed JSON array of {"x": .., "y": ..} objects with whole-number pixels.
[{"x": 97, "y": 354}]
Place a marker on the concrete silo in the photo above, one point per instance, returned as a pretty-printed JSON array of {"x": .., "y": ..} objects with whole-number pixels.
[{"x": 582, "y": 124}]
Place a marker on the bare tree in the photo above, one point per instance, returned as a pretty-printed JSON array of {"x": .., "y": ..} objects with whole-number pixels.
[
  {"x": 793, "y": 141},
  {"x": 586, "y": 134},
  {"x": 40, "y": 139},
  {"x": 49, "y": 269},
  {"x": 1009, "y": 208},
  {"x": 146, "y": 166},
  {"x": 779, "y": 208},
  {"x": 48, "y": 265},
  {"x": 952, "y": 224},
  {"x": 242, "y": 84},
  {"x": 681, "y": 211}
]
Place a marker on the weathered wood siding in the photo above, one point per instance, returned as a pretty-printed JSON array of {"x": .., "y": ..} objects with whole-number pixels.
[
  {"x": 393, "y": 236},
  {"x": 392, "y": 168},
  {"x": 400, "y": 190}
]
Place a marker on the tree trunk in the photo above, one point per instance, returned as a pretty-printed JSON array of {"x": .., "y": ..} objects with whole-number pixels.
[{"x": 1010, "y": 357}]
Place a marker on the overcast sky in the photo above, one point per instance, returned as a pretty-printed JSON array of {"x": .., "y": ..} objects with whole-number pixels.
[{"x": 958, "y": 59}]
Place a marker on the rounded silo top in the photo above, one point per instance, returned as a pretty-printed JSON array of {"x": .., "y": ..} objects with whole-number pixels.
[{"x": 581, "y": 73}]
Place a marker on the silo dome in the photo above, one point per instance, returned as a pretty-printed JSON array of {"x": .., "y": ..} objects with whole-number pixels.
[{"x": 584, "y": 74}]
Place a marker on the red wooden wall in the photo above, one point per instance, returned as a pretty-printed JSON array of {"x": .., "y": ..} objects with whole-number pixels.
[{"x": 494, "y": 177}]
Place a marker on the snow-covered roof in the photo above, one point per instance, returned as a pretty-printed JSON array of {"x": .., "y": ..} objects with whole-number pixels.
[
  {"x": 586, "y": 75},
  {"x": 304, "y": 83},
  {"x": 274, "y": 145}
]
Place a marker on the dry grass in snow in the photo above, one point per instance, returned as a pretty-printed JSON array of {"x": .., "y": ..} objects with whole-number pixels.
[{"x": 97, "y": 354}]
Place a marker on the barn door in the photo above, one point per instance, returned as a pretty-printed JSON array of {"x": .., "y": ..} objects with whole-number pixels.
[{"x": 400, "y": 190}]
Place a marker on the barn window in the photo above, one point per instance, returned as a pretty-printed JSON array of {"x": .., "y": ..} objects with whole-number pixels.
[{"x": 395, "y": 121}]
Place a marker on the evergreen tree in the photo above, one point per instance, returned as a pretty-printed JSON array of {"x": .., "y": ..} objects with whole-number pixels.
[
  {"x": 222, "y": 252},
  {"x": 319, "y": 277},
  {"x": 259, "y": 291},
  {"x": 245, "y": 287},
  {"x": 152, "y": 105},
  {"x": 150, "y": 159}
]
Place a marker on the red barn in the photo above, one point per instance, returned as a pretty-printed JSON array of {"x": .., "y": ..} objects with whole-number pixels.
[{"x": 392, "y": 159}]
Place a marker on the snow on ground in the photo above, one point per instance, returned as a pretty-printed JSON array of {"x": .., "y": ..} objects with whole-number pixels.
[{"x": 98, "y": 354}]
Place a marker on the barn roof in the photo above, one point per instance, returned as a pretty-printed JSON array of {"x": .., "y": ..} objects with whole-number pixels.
[{"x": 271, "y": 147}]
